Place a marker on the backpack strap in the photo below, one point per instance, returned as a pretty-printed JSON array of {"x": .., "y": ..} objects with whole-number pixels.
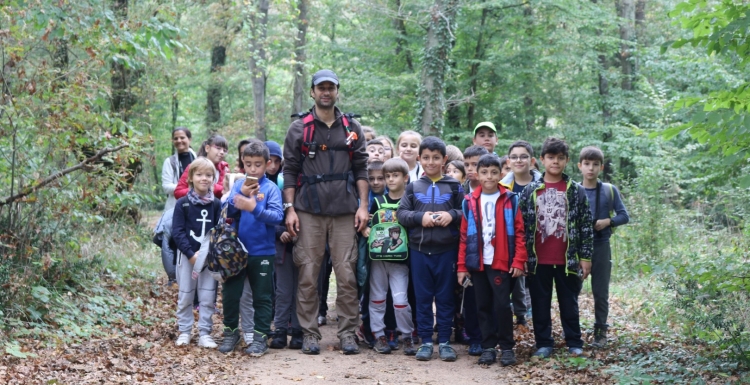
[
  {"x": 611, "y": 196},
  {"x": 308, "y": 132}
]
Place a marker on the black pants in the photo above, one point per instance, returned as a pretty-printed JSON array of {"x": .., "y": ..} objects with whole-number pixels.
[
  {"x": 492, "y": 290},
  {"x": 568, "y": 288},
  {"x": 601, "y": 271}
]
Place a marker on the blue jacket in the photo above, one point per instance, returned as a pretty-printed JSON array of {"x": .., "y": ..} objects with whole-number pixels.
[
  {"x": 257, "y": 229},
  {"x": 425, "y": 195}
]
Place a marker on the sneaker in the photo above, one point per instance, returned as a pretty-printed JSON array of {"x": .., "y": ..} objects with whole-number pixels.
[
  {"x": 575, "y": 352},
  {"x": 259, "y": 346},
  {"x": 424, "y": 353},
  {"x": 409, "y": 348},
  {"x": 475, "y": 350},
  {"x": 248, "y": 337},
  {"x": 310, "y": 344},
  {"x": 296, "y": 341},
  {"x": 206, "y": 341},
  {"x": 600, "y": 337},
  {"x": 447, "y": 353},
  {"x": 183, "y": 339},
  {"x": 393, "y": 340},
  {"x": 521, "y": 320},
  {"x": 322, "y": 320},
  {"x": 507, "y": 357},
  {"x": 415, "y": 338},
  {"x": 543, "y": 352},
  {"x": 349, "y": 345},
  {"x": 278, "y": 339},
  {"x": 488, "y": 357},
  {"x": 231, "y": 339},
  {"x": 382, "y": 346}
]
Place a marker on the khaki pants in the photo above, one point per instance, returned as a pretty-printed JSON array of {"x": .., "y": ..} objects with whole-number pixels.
[{"x": 309, "y": 250}]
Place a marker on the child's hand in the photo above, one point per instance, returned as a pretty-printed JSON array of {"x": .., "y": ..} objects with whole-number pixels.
[
  {"x": 250, "y": 191},
  {"x": 366, "y": 232},
  {"x": 602, "y": 224},
  {"x": 444, "y": 219},
  {"x": 515, "y": 273},
  {"x": 193, "y": 259},
  {"x": 427, "y": 220},
  {"x": 285, "y": 237},
  {"x": 244, "y": 203},
  {"x": 586, "y": 267},
  {"x": 461, "y": 276}
]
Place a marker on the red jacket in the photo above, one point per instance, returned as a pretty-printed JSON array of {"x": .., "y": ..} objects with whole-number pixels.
[
  {"x": 182, "y": 186},
  {"x": 500, "y": 241}
]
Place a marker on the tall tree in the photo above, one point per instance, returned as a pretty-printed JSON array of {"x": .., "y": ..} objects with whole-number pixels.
[
  {"x": 474, "y": 70},
  {"x": 213, "y": 93},
  {"x": 626, "y": 12},
  {"x": 435, "y": 65},
  {"x": 258, "y": 21},
  {"x": 401, "y": 42},
  {"x": 603, "y": 64},
  {"x": 300, "y": 56},
  {"x": 123, "y": 99}
]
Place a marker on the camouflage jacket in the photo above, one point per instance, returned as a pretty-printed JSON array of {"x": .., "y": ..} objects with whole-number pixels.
[{"x": 579, "y": 225}]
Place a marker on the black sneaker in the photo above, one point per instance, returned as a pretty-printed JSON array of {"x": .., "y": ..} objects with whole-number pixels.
[
  {"x": 447, "y": 353},
  {"x": 382, "y": 346},
  {"x": 488, "y": 357},
  {"x": 231, "y": 339},
  {"x": 409, "y": 348},
  {"x": 296, "y": 341},
  {"x": 475, "y": 350},
  {"x": 259, "y": 346},
  {"x": 507, "y": 357},
  {"x": 521, "y": 321},
  {"x": 278, "y": 339},
  {"x": 310, "y": 345},
  {"x": 349, "y": 345}
]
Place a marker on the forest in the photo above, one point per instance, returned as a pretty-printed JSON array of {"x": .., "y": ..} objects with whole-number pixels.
[{"x": 92, "y": 89}]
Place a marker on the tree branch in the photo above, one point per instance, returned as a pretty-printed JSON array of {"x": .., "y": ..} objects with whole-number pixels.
[{"x": 32, "y": 189}]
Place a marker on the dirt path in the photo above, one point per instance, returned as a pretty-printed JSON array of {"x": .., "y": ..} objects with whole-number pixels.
[{"x": 146, "y": 354}]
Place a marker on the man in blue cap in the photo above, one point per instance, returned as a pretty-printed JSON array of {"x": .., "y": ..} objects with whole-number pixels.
[{"x": 325, "y": 201}]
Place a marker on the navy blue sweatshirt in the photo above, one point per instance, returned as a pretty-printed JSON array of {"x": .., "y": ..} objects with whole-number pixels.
[
  {"x": 620, "y": 218},
  {"x": 187, "y": 232}
]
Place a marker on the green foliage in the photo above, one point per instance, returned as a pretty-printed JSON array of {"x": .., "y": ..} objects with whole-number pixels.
[{"x": 719, "y": 119}]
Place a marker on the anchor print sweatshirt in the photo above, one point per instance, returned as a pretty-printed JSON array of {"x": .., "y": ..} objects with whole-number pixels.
[{"x": 187, "y": 232}]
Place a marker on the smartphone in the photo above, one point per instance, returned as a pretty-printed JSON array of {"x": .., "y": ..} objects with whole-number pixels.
[
  {"x": 250, "y": 180},
  {"x": 435, "y": 216}
]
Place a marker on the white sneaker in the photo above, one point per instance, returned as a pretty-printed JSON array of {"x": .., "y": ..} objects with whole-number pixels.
[
  {"x": 207, "y": 341},
  {"x": 183, "y": 339},
  {"x": 322, "y": 320},
  {"x": 248, "y": 338}
]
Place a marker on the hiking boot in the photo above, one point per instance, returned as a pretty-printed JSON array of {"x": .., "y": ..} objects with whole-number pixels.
[
  {"x": 207, "y": 341},
  {"x": 231, "y": 339},
  {"x": 475, "y": 350},
  {"x": 382, "y": 346},
  {"x": 575, "y": 352},
  {"x": 600, "y": 338},
  {"x": 349, "y": 345},
  {"x": 296, "y": 341},
  {"x": 183, "y": 339},
  {"x": 310, "y": 344},
  {"x": 409, "y": 348},
  {"x": 259, "y": 346},
  {"x": 278, "y": 339},
  {"x": 488, "y": 357},
  {"x": 543, "y": 352},
  {"x": 521, "y": 320},
  {"x": 507, "y": 357},
  {"x": 447, "y": 353},
  {"x": 322, "y": 320},
  {"x": 424, "y": 353}
]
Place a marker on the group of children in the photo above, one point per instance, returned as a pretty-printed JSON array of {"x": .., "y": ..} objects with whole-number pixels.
[{"x": 481, "y": 236}]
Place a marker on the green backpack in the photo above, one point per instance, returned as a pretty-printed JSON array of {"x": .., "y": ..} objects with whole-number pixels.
[{"x": 388, "y": 239}]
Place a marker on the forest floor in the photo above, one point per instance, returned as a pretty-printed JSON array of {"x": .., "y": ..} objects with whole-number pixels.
[{"x": 139, "y": 348}]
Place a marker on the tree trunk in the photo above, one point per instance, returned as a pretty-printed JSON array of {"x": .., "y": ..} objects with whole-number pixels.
[
  {"x": 213, "y": 94},
  {"x": 435, "y": 65},
  {"x": 122, "y": 77},
  {"x": 626, "y": 10},
  {"x": 528, "y": 101},
  {"x": 603, "y": 81},
  {"x": 300, "y": 56},
  {"x": 258, "y": 27},
  {"x": 401, "y": 43},
  {"x": 478, "y": 55}
]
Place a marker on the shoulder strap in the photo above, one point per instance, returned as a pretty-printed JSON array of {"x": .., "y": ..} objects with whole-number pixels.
[
  {"x": 308, "y": 132},
  {"x": 608, "y": 189},
  {"x": 345, "y": 118}
]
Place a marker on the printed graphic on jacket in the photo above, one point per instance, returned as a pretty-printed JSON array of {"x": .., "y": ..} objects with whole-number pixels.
[{"x": 552, "y": 214}]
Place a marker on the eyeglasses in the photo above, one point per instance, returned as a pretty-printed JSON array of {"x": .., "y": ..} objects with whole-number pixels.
[{"x": 516, "y": 158}]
